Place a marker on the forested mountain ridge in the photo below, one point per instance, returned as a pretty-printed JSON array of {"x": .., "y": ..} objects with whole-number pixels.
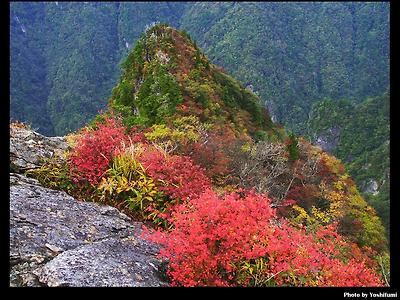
[
  {"x": 230, "y": 196},
  {"x": 291, "y": 54},
  {"x": 167, "y": 75}
]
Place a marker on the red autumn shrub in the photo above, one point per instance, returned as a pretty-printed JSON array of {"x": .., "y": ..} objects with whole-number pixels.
[
  {"x": 177, "y": 176},
  {"x": 306, "y": 195},
  {"x": 323, "y": 258},
  {"x": 214, "y": 240},
  {"x": 325, "y": 170},
  {"x": 214, "y": 155},
  {"x": 94, "y": 150},
  {"x": 211, "y": 157},
  {"x": 180, "y": 177}
]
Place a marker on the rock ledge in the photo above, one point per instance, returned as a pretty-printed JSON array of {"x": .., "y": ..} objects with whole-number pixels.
[{"x": 56, "y": 240}]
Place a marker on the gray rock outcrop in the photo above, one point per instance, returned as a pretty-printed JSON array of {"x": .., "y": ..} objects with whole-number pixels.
[
  {"x": 28, "y": 148},
  {"x": 328, "y": 140},
  {"x": 371, "y": 187},
  {"x": 56, "y": 240}
]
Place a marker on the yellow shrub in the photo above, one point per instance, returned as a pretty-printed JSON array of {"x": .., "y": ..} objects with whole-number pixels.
[{"x": 127, "y": 181}]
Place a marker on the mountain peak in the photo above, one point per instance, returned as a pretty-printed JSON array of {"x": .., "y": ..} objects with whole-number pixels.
[
  {"x": 166, "y": 74},
  {"x": 163, "y": 43}
]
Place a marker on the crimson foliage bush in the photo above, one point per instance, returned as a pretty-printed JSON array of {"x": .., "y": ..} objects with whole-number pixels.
[
  {"x": 238, "y": 241},
  {"x": 95, "y": 149},
  {"x": 177, "y": 176}
]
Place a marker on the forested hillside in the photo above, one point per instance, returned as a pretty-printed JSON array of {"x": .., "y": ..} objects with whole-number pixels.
[
  {"x": 231, "y": 198},
  {"x": 67, "y": 56},
  {"x": 64, "y": 56},
  {"x": 358, "y": 134},
  {"x": 29, "y": 89},
  {"x": 295, "y": 54}
]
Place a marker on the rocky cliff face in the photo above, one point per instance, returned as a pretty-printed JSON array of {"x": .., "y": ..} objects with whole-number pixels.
[{"x": 56, "y": 240}]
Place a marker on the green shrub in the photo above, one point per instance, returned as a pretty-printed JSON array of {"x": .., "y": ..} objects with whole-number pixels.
[
  {"x": 158, "y": 96},
  {"x": 260, "y": 135}
]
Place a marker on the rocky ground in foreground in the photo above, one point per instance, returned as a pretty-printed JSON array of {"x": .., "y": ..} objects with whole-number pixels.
[{"x": 56, "y": 240}]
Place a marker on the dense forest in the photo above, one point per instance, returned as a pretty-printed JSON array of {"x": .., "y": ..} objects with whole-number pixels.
[
  {"x": 67, "y": 56},
  {"x": 232, "y": 198},
  {"x": 290, "y": 54},
  {"x": 294, "y": 54},
  {"x": 358, "y": 134}
]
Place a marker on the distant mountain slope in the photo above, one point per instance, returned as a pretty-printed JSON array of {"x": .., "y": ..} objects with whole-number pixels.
[
  {"x": 295, "y": 54},
  {"x": 64, "y": 56},
  {"x": 29, "y": 89},
  {"x": 360, "y": 136}
]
